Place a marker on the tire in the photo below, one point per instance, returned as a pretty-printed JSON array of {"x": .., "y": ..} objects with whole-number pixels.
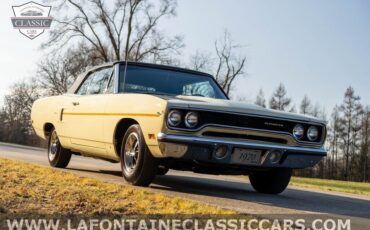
[
  {"x": 138, "y": 165},
  {"x": 273, "y": 181},
  {"x": 162, "y": 170},
  {"x": 58, "y": 156}
]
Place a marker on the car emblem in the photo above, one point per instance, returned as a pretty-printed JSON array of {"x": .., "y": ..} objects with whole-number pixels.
[
  {"x": 31, "y": 19},
  {"x": 274, "y": 124}
]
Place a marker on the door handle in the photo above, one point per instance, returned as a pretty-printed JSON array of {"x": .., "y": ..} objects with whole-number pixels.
[{"x": 75, "y": 103}]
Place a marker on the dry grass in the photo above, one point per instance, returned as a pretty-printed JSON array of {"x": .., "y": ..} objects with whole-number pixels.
[{"x": 30, "y": 189}]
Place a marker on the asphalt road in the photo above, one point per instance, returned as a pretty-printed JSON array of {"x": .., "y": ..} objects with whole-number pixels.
[{"x": 228, "y": 192}]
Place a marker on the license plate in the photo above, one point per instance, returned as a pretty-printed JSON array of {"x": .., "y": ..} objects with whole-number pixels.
[{"x": 246, "y": 156}]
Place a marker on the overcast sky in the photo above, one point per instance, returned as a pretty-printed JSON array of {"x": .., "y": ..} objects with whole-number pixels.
[{"x": 314, "y": 47}]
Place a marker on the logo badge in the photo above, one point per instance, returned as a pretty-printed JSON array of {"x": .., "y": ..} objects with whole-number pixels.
[
  {"x": 273, "y": 124},
  {"x": 31, "y": 19}
]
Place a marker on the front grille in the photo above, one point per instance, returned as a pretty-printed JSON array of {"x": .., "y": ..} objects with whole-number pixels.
[
  {"x": 251, "y": 122},
  {"x": 245, "y": 136},
  {"x": 247, "y": 121}
]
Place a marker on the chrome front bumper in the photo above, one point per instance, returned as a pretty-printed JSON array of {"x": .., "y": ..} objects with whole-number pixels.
[{"x": 203, "y": 149}]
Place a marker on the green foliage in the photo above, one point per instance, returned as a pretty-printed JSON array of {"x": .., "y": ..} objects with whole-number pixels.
[{"x": 332, "y": 185}]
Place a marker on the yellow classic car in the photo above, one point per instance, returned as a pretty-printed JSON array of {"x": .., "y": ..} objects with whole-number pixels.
[{"x": 152, "y": 118}]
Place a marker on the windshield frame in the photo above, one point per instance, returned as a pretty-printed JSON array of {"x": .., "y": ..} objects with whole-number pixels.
[{"x": 170, "y": 68}]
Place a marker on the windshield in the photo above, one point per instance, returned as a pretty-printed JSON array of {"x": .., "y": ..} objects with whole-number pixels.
[{"x": 149, "y": 80}]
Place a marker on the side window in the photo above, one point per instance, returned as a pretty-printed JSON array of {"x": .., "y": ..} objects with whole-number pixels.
[
  {"x": 96, "y": 82},
  {"x": 100, "y": 81},
  {"x": 85, "y": 85}
]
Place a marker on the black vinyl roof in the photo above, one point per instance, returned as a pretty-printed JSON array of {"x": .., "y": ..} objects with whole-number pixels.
[{"x": 161, "y": 66}]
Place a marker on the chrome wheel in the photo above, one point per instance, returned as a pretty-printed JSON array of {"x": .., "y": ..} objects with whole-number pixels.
[
  {"x": 138, "y": 165},
  {"x": 131, "y": 153},
  {"x": 53, "y": 146}
]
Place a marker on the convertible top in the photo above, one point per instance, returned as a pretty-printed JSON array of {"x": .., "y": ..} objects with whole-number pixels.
[
  {"x": 82, "y": 76},
  {"x": 160, "y": 66}
]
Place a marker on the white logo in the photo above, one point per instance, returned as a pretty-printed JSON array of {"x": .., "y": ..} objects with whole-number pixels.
[{"x": 31, "y": 19}]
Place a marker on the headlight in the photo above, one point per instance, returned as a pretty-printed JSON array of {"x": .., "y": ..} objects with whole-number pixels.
[
  {"x": 312, "y": 133},
  {"x": 298, "y": 132},
  {"x": 174, "y": 118},
  {"x": 191, "y": 119}
]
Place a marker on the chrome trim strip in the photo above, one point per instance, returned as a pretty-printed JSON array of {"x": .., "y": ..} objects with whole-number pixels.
[
  {"x": 163, "y": 137},
  {"x": 116, "y": 78}
]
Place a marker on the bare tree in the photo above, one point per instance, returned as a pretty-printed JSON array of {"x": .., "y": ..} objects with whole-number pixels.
[
  {"x": 56, "y": 73},
  {"x": 333, "y": 138},
  {"x": 306, "y": 107},
  {"x": 17, "y": 110},
  {"x": 316, "y": 110},
  {"x": 351, "y": 110},
  {"x": 127, "y": 29},
  {"x": 365, "y": 145},
  {"x": 319, "y": 112},
  {"x": 3, "y": 125},
  {"x": 279, "y": 100},
  {"x": 260, "y": 99},
  {"x": 202, "y": 61},
  {"x": 226, "y": 66},
  {"x": 229, "y": 65}
]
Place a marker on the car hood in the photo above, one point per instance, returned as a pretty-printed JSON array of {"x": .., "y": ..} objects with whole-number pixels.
[{"x": 234, "y": 107}]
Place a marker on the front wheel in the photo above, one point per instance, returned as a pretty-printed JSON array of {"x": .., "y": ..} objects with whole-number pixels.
[
  {"x": 273, "y": 181},
  {"x": 162, "y": 170},
  {"x": 138, "y": 165},
  {"x": 58, "y": 156}
]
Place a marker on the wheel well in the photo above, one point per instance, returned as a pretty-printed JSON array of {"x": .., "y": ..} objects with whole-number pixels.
[
  {"x": 47, "y": 129},
  {"x": 120, "y": 131}
]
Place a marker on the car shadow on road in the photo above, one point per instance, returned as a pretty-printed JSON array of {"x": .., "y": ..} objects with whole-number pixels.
[{"x": 291, "y": 198}]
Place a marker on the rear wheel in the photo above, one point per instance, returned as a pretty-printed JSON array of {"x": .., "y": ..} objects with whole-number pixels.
[
  {"x": 138, "y": 165},
  {"x": 273, "y": 181},
  {"x": 58, "y": 156}
]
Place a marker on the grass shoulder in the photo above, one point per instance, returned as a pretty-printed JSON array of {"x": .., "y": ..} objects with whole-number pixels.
[
  {"x": 358, "y": 188},
  {"x": 31, "y": 189}
]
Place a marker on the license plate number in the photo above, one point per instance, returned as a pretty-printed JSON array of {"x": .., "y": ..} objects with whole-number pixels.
[{"x": 246, "y": 156}]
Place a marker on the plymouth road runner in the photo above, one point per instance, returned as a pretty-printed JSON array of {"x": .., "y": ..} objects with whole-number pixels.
[{"x": 152, "y": 118}]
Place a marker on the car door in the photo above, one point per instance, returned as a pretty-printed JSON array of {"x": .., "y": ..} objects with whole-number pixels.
[{"x": 86, "y": 117}]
